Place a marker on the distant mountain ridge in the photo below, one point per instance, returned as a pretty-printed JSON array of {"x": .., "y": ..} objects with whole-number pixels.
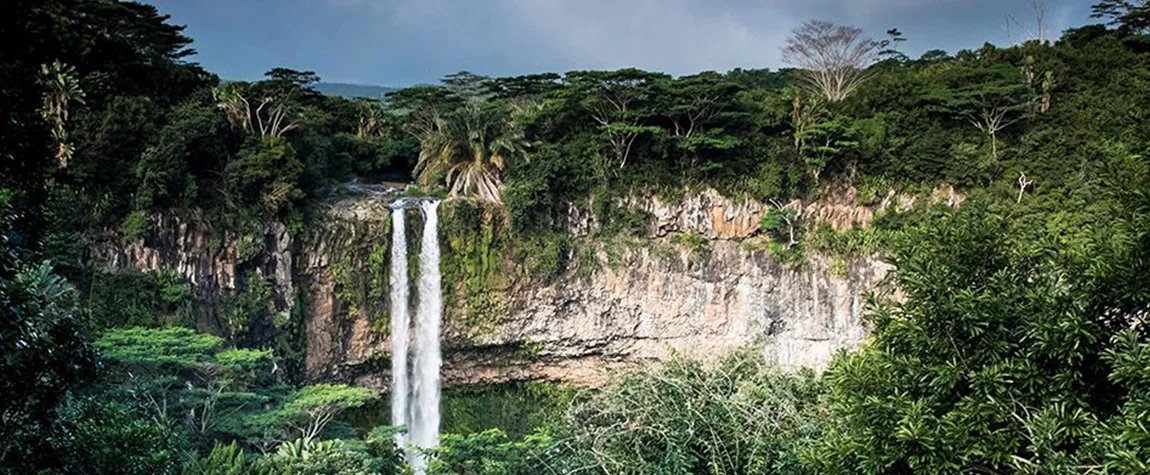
[{"x": 352, "y": 90}]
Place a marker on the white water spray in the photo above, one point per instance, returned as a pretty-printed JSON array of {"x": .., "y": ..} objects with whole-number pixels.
[
  {"x": 425, "y": 420},
  {"x": 420, "y": 412},
  {"x": 400, "y": 322}
]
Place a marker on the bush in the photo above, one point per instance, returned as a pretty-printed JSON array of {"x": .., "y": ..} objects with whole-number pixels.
[
  {"x": 1001, "y": 358},
  {"x": 135, "y": 226},
  {"x": 492, "y": 453},
  {"x": 741, "y": 417},
  {"x": 107, "y": 438},
  {"x": 329, "y": 457},
  {"x": 222, "y": 460}
]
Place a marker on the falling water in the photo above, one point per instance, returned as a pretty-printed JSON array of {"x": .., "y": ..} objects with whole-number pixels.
[
  {"x": 400, "y": 322},
  {"x": 425, "y": 419},
  {"x": 415, "y": 389}
]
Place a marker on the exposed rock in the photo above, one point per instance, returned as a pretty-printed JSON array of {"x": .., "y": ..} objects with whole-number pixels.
[
  {"x": 654, "y": 299},
  {"x": 655, "y": 304},
  {"x": 715, "y": 216}
]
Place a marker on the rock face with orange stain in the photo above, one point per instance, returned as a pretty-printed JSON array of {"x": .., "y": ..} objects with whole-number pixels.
[
  {"x": 715, "y": 216},
  {"x": 645, "y": 302}
]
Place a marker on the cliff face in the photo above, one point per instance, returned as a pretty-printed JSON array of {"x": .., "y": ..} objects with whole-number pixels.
[
  {"x": 699, "y": 303},
  {"x": 646, "y": 300}
]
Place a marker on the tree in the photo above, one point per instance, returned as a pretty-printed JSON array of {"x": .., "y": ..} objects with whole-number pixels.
[
  {"x": 369, "y": 120},
  {"x": 616, "y": 101},
  {"x": 888, "y": 48},
  {"x": 1005, "y": 356},
  {"x": 265, "y": 171},
  {"x": 183, "y": 167},
  {"x": 834, "y": 59},
  {"x": 989, "y": 97},
  {"x": 44, "y": 358},
  {"x": 469, "y": 87},
  {"x": 329, "y": 457},
  {"x": 530, "y": 85},
  {"x": 269, "y": 118},
  {"x": 737, "y": 416},
  {"x": 311, "y": 409},
  {"x": 780, "y": 219},
  {"x": 1129, "y": 15},
  {"x": 469, "y": 149},
  {"x": 700, "y": 111},
  {"x": 176, "y": 374},
  {"x": 492, "y": 453},
  {"x": 63, "y": 88}
]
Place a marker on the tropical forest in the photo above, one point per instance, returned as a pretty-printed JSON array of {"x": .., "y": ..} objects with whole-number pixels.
[{"x": 856, "y": 261}]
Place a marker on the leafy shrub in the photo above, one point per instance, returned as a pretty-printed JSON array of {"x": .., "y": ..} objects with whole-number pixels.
[
  {"x": 740, "y": 417},
  {"x": 222, "y": 460},
  {"x": 698, "y": 244},
  {"x": 328, "y": 457},
  {"x": 1001, "y": 358},
  {"x": 516, "y": 409},
  {"x": 136, "y": 299},
  {"x": 491, "y": 452},
  {"x": 107, "y": 437},
  {"x": 548, "y": 255},
  {"x": 135, "y": 226}
]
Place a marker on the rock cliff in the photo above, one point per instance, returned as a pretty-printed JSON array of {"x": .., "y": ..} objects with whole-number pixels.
[{"x": 645, "y": 301}]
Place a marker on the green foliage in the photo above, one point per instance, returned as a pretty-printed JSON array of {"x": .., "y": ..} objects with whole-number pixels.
[
  {"x": 547, "y": 256},
  {"x": 322, "y": 398},
  {"x": 1020, "y": 346},
  {"x": 265, "y": 171},
  {"x": 516, "y": 409},
  {"x": 174, "y": 346},
  {"x": 222, "y": 460},
  {"x": 380, "y": 442},
  {"x": 107, "y": 437},
  {"x": 329, "y": 457},
  {"x": 44, "y": 358},
  {"x": 739, "y": 417},
  {"x": 698, "y": 244},
  {"x": 475, "y": 259},
  {"x": 850, "y": 242},
  {"x": 491, "y": 452},
  {"x": 996, "y": 354},
  {"x": 1123, "y": 441},
  {"x": 245, "y": 308},
  {"x": 311, "y": 408},
  {"x": 360, "y": 270},
  {"x": 137, "y": 299},
  {"x": 135, "y": 226},
  {"x": 468, "y": 149}
]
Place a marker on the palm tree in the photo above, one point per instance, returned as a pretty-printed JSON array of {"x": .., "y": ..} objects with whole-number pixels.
[
  {"x": 62, "y": 86},
  {"x": 469, "y": 149}
]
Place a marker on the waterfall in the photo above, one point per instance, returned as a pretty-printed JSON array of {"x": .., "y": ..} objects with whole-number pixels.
[
  {"x": 425, "y": 420},
  {"x": 400, "y": 322},
  {"x": 420, "y": 412}
]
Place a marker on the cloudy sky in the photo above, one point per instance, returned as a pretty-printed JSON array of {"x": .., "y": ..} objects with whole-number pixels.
[{"x": 403, "y": 42}]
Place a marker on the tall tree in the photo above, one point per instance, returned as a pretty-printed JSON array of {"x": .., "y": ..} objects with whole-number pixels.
[
  {"x": 833, "y": 58},
  {"x": 618, "y": 102},
  {"x": 1129, "y": 15},
  {"x": 469, "y": 149},
  {"x": 991, "y": 97}
]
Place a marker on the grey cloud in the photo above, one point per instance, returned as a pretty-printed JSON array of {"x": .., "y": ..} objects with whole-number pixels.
[{"x": 677, "y": 36}]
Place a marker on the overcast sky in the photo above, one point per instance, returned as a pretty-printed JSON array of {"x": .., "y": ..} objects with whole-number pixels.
[{"x": 403, "y": 42}]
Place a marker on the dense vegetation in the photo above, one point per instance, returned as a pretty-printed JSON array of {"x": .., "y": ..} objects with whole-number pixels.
[{"x": 1019, "y": 345}]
